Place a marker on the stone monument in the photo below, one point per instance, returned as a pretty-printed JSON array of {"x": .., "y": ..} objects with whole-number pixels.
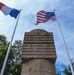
[{"x": 38, "y": 53}]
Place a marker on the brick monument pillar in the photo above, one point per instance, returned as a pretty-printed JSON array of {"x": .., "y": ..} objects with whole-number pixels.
[{"x": 38, "y": 53}]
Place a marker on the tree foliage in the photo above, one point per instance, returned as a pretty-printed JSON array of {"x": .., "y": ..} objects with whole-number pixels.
[
  {"x": 13, "y": 66},
  {"x": 67, "y": 70},
  {"x": 3, "y": 40}
]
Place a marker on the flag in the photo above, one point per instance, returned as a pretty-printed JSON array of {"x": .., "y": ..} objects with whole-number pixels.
[
  {"x": 7, "y": 10},
  {"x": 43, "y": 16}
]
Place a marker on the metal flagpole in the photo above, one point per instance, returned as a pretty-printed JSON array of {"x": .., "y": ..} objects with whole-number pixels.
[
  {"x": 7, "y": 54},
  {"x": 66, "y": 49}
]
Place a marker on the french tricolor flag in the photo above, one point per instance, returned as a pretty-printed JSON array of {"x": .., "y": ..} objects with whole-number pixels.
[{"x": 7, "y": 10}]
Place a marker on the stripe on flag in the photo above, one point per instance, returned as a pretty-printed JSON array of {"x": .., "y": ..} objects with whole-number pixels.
[{"x": 43, "y": 16}]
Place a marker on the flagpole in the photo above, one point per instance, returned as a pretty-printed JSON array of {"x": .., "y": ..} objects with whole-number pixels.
[
  {"x": 66, "y": 48},
  {"x": 7, "y": 54}
]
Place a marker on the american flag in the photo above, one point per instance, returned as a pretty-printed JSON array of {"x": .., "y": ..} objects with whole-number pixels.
[{"x": 43, "y": 16}]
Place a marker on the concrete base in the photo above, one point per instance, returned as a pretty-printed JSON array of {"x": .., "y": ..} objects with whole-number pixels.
[{"x": 38, "y": 67}]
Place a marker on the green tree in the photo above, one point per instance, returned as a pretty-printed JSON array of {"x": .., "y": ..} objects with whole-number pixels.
[
  {"x": 16, "y": 64},
  {"x": 3, "y": 40},
  {"x": 3, "y": 48},
  {"x": 13, "y": 66},
  {"x": 67, "y": 70}
]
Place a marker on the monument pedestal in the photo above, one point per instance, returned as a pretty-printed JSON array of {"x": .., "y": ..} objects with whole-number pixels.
[
  {"x": 38, "y": 53},
  {"x": 38, "y": 67}
]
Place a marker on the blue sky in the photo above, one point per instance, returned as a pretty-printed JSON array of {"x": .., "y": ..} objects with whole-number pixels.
[{"x": 65, "y": 15}]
